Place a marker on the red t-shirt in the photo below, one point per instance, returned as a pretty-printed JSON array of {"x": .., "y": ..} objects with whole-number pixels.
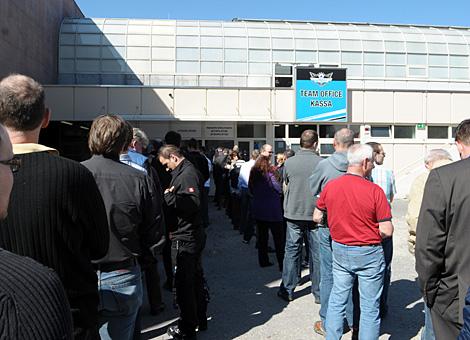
[{"x": 354, "y": 207}]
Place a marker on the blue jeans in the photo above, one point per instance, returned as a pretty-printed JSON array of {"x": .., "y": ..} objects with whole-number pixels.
[
  {"x": 428, "y": 331},
  {"x": 368, "y": 264},
  {"x": 326, "y": 275},
  {"x": 120, "y": 299},
  {"x": 293, "y": 256}
]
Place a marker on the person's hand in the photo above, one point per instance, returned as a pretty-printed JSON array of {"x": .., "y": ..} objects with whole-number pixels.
[{"x": 169, "y": 190}]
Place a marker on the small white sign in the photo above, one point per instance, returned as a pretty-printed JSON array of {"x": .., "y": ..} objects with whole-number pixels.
[{"x": 218, "y": 131}]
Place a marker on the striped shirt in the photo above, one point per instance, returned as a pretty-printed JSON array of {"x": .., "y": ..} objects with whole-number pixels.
[{"x": 385, "y": 179}]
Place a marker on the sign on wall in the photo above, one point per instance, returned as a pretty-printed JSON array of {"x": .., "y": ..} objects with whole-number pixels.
[
  {"x": 219, "y": 131},
  {"x": 321, "y": 94}
]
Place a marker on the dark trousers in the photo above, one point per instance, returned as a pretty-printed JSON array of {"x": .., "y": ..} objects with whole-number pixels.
[
  {"x": 263, "y": 236},
  {"x": 152, "y": 283},
  {"x": 443, "y": 329},
  {"x": 246, "y": 222},
  {"x": 235, "y": 210},
  {"x": 190, "y": 294},
  {"x": 387, "y": 245},
  {"x": 205, "y": 207},
  {"x": 167, "y": 262}
]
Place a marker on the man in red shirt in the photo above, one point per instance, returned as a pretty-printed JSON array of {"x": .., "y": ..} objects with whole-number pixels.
[{"x": 359, "y": 217}]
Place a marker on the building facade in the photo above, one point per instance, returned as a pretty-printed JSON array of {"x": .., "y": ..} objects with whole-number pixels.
[{"x": 227, "y": 83}]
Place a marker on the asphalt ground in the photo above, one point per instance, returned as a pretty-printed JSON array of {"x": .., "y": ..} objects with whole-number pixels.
[{"x": 244, "y": 304}]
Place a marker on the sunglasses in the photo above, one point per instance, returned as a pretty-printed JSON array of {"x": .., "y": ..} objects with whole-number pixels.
[{"x": 14, "y": 164}]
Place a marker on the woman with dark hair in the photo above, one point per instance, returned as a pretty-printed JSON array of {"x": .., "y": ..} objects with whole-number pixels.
[{"x": 265, "y": 187}]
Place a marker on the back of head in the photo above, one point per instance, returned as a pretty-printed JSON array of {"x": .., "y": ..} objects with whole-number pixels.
[
  {"x": 357, "y": 153},
  {"x": 437, "y": 155},
  {"x": 192, "y": 144},
  {"x": 109, "y": 136},
  {"x": 289, "y": 153},
  {"x": 173, "y": 138},
  {"x": 22, "y": 105},
  {"x": 308, "y": 139},
  {"x": 375, "y": 146},
  {"x": 255, "y": 154},
  {"x": 462, "y": 132},
  {"x": 140, "y": 136},
  {"x": 167, "y": 150},
  {"x": 344, "y": 138}
]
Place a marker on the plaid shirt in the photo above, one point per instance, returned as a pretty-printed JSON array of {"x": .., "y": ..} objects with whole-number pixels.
[{"x": 385, "y": 179}]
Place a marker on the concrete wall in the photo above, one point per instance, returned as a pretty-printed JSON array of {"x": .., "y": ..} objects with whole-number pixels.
[{"x": 29, "y": 33}]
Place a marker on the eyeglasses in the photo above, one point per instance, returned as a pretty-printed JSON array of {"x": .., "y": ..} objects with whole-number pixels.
[{"x": 14, "y": 164}]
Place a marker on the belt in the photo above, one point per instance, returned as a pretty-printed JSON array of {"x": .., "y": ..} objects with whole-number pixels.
[{"x": 111, "y": 267}]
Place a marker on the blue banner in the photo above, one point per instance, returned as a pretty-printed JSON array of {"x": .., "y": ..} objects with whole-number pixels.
[{"x": 321, "y": 95}]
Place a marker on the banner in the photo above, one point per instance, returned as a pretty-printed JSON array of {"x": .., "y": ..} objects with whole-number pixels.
[{"x": 321, "y": 94}]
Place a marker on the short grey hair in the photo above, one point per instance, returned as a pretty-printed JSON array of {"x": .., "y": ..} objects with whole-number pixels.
[
  {"x": 140, "y": 136},
  {"x": 437, "y": 155},
  {"x": 344, "y": 137},
  {"x": 358, "y": 153}
]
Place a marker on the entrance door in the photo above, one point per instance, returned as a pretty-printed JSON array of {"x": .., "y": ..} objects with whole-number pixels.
[
  {"x": 244, "y": 150},
  {"x": 211, "y": 145}
]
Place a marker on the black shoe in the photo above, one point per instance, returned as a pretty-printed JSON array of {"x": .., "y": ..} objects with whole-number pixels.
[
  {"x": 157, "y": 309},
  {"x": 176, "y": 333},
  {"x": 284, "y": 295}
]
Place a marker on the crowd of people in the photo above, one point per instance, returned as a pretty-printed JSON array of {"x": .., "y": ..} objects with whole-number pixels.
[{"x": 80, "y": 241}]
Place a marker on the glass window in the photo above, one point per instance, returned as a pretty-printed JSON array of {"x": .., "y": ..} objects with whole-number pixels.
[
  {"x": 416, "y": 47},
  {"x": 438, "y": 72},
  {"x": 351, "y": 45},
  {"x": 373, "y": 58},
  {"x": 283, "y": 43},
  {"x": 138, "y": 40},
  {"x": 459, "y": 60},
  {"x": 295, "y": 130},
  {"x": 163, "y": 67},
  {"x": 213, "y": 67},
  {"x": 437, "y": 48},
  {"x": 279, "y": 131},
  {"x": 279, "y": 146},
  {"x": 259, "y": 43},
  {"x": 212, "y": 42},
  {"x": 235, "y": 42},
  {"x": 66, "y": 66},
  {"x": 260, "y": 68},
  {"x": 403, "y": 131},
  {"x": 396, "y": 71},
  {"x": 454, "y": 130},
  {"x": 458, "y": 49},
  {"x": 328, "y": 57},
  {"x": 212, "y": 54},
  {"x": 235, "y": 68},
  {"x": 394, "y": 46},
  {"x": 139, "y": 66},
  {"x": 283, "y": 82},
  {"x": 88, "y": 52},
  {"x": 373, "y": 71},
  {"x": 113, "y": 52},
  {"x": 417, "y": 59},
  {"x": 370, "y": 45},
  {"x": 163, "y": 40},
  {"x": 235, "y": 54},
  {"x": 251, "y": 130},
  {"x": 114, "y": 66},
  {"x": 380, "y": 131},
  {"x": 438, "y": 132},
  {"x": 351, "y": 57},
  {"x": 438, "y": 60},
  {"x": 259, "y": 55},
  {"x": 305, "y": 56},
  {"x": 187, "y": 41},
  {"x": 327, "y": 149},
  {"x": 324, "y": 44},
  {"x": 459, "y": 73},
  {"x": 88, "y": 39},
  {"x": 417, "y": 71},
  {"x": 187, "y": 53},
  {"x": 83, "y": 65},
  {"x": 115, "y": 29},
  {"x": 328, "y": 131},
  {"x": 354, "y": 70},
  {"x": 163, "y": 53},
  {"x": 284, "y": 70},
  {"x": 67, "y": 52},
  {"x": 305, "y": 44},
  {"x": 395, "y": 58},
  {"x": 187, "y": 67},
  {"x": 67, "y": 28},
  {"x": 138, "y": 52},
  {"x": 283, "y": 56}
]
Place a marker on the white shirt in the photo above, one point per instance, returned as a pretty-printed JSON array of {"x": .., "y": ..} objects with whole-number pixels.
[{"x": 245, "y": 173}]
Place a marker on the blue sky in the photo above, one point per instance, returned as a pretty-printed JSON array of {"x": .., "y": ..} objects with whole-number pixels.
[{"x": 431, "y": 12}]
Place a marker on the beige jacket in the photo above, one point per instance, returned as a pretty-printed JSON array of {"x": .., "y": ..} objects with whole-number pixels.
[{"x": 416, "y": 196}]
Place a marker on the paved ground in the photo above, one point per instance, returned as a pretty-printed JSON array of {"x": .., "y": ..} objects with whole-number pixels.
[{"x": 244, "y": 304}]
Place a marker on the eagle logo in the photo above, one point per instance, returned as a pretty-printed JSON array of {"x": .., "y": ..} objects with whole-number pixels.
[{"x": 321, "y": 78}]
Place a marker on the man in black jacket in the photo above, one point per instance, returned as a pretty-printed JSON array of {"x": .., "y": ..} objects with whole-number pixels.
[
  {"x": 183, "y": 198},
  {"x": 134, "y": 216},
  {"x": 442, "y": 239},
  {"x": 56, "y": 214}
]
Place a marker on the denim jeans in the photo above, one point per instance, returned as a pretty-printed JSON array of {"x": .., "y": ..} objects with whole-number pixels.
[
  {"x": 428, "y": 332},
  {"x": 120, "y": 299},
  {"x": 293, "y": 256},
  {"x": 368, "y": 264},
  {"x": 326, "y": 275}
]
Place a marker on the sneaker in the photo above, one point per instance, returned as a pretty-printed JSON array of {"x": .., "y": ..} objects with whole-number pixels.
[
  {"x": 284, "y": 295},
  {"x": 176, "y": 333},
  {"x": 318, "y": 328}
]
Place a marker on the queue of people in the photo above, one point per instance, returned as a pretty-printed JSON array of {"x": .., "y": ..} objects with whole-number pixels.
[{"x": 81, "y": 240}]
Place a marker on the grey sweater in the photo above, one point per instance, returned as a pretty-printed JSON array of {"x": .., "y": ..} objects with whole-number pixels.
[
  {"x": 298, "y": 200},
  {"x": 328, "y": 169}
]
